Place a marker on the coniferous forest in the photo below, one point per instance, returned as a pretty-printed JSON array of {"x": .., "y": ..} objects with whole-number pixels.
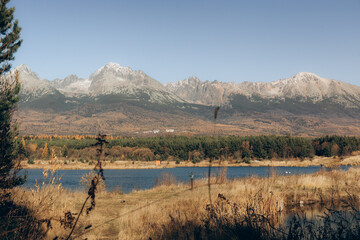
[{"x": 194, "y": 148}]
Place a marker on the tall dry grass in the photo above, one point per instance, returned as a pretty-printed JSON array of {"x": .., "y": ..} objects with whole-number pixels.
[
  {"x": 39, "y": 213},
  {"x": 171, "y": 210}
]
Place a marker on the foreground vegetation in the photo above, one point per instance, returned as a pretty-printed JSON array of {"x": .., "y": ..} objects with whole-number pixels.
[
  {"x": 183, "y": 148},
  {"x": 249, "y": 208}
]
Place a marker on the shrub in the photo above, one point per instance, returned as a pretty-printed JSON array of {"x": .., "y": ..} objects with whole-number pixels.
[
  {"x": 246, "y": 160},
  {"x": 165, "y": 179},
  {"x": 31, "y": 161}
]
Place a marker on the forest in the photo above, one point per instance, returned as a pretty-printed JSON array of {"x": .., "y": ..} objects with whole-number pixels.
[{"x": 184, "y": 148}]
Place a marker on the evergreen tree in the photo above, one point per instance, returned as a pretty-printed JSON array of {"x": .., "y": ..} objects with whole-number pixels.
[
  {"x": 9, "y": 167},
  {"x": 9, "y": 90},
  {"x": 9, "y": 36}
]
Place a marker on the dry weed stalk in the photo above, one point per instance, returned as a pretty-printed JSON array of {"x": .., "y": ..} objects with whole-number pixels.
[
  {"x": 86, "y": 182},
  {"x": 100, "y": 142},
  {"x": 211, "y": 159},
  {"x": 165, "y": 179}
]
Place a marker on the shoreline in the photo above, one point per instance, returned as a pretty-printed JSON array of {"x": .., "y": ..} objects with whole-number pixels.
[
  {"x": 278, "y": 194},
  {"x": 66, "y": 164}
]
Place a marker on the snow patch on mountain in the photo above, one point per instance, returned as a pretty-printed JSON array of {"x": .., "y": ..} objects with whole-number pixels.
[
  {"x": 112, "y": 78},
  {"x": 304, "y": 86},
  {"x": 114, "y": 67},
  {"x": 208, "y": 93},
  {"x": 72, "y": 84},
  {"x": 116, "y": 79},
  {"x": 31, "y": 84}
]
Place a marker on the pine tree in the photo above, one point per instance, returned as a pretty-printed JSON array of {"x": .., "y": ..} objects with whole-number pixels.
[
  {"x": 9, "y": 90},
  {"x": 9, "y": 167},
  {"x": 9, "y": 36}
]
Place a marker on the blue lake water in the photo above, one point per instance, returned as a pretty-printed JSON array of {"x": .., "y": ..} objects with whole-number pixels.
[{"x": 130, "y": 179}]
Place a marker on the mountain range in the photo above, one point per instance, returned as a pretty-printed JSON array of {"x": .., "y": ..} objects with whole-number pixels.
[{"x": 119, "y": 100}]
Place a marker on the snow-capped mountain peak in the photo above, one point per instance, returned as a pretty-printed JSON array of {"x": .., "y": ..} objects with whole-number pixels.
[
  {"x": 114, "y": 78},
  {"x": 31, "y": 84},
  {"x": 303, "y": 86},
  {"x": 23, "y": 68},
  {"x": 115, "y": 68},
  {"x": 306, "y": 75}
]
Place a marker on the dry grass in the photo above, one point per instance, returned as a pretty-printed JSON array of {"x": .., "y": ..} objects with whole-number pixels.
[{"x": 150, "y": 213}]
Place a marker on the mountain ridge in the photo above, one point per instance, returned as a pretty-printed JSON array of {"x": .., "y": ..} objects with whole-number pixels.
[
  {"x": 118, "y": 99},
  {"x": 109, "y": 79},
  {"x": 113, "y": 78},
  {"x": 303, "y": 86}
]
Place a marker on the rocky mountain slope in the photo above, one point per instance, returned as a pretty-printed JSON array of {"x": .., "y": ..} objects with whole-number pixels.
[
  {"x": 72, "y": 84},
  {"x": 304, "y": 87},
  {"x": 114, "y": 78},
  {"x": 119, "y": 100},
  {"x": 32, "y": 86},
  {"x": 208, "y": 93},
  {"x": 111, "y": 79}
]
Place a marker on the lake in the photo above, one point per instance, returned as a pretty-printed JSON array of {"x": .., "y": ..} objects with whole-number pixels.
[{"x": 130, "y": 179}]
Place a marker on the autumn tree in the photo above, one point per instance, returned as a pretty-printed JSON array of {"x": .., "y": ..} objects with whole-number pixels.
[{"x": 45, "y": 151}]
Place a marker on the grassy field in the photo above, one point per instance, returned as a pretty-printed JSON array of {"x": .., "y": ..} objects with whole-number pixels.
[{"x": 174, "y": 211}]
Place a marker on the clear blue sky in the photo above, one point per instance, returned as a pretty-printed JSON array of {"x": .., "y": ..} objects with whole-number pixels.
[{"x": 171, "y": 40}]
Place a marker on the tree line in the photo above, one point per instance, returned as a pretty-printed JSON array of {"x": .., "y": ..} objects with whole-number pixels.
[{"x": 193, "y": 148}]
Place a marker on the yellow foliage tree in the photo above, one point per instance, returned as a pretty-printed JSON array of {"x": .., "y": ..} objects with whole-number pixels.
[
  {"x": 23, "y": 143},
  {"x": 45, "y": 151},
  {"x": 32, "y": 147}
]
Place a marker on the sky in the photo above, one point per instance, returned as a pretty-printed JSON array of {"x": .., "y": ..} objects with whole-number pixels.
[{"x": 224, "y": 40}]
